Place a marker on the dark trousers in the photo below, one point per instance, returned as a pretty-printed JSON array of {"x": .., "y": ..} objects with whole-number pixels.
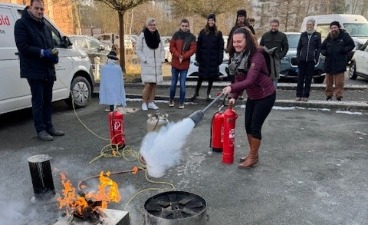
[
  {"x": 304, "y": 79},
  {"x": 199, "y": 84},
  {"x": 41, "y": 103},
  {"x": 256, "y": 112}
]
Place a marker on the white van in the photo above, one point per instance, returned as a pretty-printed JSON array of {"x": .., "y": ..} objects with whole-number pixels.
[
  {"x": 73, "y": 72},
  {"x": 356, "y": 25}
]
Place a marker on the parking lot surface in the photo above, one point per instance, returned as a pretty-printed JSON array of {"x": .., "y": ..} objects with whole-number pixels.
[{"x": 312, "y": 170}]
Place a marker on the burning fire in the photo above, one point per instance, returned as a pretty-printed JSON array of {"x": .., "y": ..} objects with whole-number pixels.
[{"x": 78, "y": 205}]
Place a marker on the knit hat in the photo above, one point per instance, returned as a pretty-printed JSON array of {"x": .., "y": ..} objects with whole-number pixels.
[
  {"x": 241, "y": 12},
  {"x": 211, "y": 16},
  {"x": 336, "y": 23},
  {"x": 112, "y": 55}
]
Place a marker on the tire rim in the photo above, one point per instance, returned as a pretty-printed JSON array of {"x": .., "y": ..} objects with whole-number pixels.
[{"x": 80, "y": 92}]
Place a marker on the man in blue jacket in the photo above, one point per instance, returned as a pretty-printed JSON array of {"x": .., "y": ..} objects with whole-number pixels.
[
  {"x": 37, "y": 64},
  {"x": 336, "y": 47}
]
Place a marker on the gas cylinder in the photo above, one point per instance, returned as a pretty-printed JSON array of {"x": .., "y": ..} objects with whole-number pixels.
[
  {"x": 217, "y": 131},
  {"x": 116, "y": 125},
  {"x": 156, "y": 121},
  {"x": 230, "y": 117}
]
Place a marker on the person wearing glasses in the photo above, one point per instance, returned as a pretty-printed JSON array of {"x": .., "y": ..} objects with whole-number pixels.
[
  {"x": 151, "y": 54},
  {"x": 307, "y": 52},
  {"x": 182, "y": 46}
]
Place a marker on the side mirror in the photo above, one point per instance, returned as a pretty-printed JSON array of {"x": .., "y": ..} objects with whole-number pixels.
[
  {"x": 65, "y": 42},
  {"x": 101, "y": 48}
]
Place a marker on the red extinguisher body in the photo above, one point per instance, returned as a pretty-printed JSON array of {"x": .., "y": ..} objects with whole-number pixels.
[
  {"x": 229, "y": 135},
  {"x": 116, "y": 125},
  {"x": 217, "y": 131}
]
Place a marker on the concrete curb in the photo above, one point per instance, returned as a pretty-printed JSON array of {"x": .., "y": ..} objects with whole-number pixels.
[
  {"x": 345, "y": 106},
  {"x": 283, "y": 86}
]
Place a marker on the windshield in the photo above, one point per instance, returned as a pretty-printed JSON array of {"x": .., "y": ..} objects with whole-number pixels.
[
  {"x": 357, "y": 29},
  {"x": 354, "y": 29},
  {"x": 293, "y": 40}
]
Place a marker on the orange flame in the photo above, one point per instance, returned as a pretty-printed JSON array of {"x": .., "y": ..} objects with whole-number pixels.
[{"x": 107, "y": 191}]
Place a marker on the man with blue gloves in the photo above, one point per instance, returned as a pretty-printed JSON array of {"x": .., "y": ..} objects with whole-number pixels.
[{"x": 37, "y": 64}]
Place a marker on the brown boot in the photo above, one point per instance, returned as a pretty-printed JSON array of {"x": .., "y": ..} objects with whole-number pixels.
[
  {"x": 252, "y": 158},
  {"x": 249, "y": 136}
]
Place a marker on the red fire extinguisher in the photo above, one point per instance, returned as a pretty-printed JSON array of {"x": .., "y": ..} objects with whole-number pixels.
[
  {"x": 116, "y": 123},
  {"x": 230, "y": 117},
  {"x": 217, "y": 131}
]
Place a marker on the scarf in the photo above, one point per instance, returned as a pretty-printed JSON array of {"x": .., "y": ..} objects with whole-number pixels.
[
  {"x": 310, "y": 32},
  {"x": 239, "y": 62},
  {"x": 152, "y": 39}
]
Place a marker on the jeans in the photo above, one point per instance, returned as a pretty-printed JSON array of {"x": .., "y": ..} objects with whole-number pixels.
[
  {"x": 304, "y": 79},
  {"x": 175, "y": 73},
  {"x": 41, "y": 103}
]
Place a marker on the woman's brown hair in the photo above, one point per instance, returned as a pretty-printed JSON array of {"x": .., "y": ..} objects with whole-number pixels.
[{"x": 251, "y": 42}]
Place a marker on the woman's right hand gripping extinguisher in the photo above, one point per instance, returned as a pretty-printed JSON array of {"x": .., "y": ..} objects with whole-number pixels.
[
  {"x": 230, "y": 117},
  {"x": 217, "y": 131}
]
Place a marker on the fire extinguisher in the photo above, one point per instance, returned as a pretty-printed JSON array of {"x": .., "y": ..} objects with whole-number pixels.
[
  {"x": 217, "y": 131},
  {"x": 116, "y": 123},
  {"x": 230, "y": 117}
]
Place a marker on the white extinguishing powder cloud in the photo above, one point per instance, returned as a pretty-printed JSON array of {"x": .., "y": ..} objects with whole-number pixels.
[{"x": 162, "y": 150}]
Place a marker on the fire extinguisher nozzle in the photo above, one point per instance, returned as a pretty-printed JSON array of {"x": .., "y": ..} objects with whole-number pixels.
[{"x": 197, "y": 116}]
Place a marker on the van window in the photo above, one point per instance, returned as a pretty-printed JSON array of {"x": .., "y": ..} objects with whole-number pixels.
[
  {"x": 354, "y": 29},
  {"x": 357, "y": 29},
  {"x": 324, "y": 29},
  {"x": 56, "y": 37}
]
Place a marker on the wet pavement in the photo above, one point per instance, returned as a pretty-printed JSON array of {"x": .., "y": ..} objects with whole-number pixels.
[{"x": 312, "y": 170}]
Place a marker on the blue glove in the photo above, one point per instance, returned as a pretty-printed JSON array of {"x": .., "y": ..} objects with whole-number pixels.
[{"x": 47, "y": 54}]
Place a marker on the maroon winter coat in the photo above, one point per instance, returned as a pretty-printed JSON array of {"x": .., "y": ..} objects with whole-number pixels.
[{"x": 256, "y": 81}]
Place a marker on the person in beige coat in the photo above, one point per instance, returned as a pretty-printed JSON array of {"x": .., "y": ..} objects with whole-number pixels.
[{"x": 151, "y": 54}]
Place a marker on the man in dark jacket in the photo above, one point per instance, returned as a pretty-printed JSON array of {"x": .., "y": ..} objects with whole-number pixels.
[
  {"x": 307, "y": 52},
  {"x": 275, "y": 38},
  {"x": 336, "y": 47},
  {"x": 37, "y": 64},
  {"x": 182, "y": 46}
]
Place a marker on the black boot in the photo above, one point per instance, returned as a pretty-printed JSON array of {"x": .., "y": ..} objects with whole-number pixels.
[
  {"x": 209, "y": 87},
  {"x": 196, "y": 94}
]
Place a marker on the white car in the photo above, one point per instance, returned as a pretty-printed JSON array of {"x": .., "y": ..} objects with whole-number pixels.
[
  {"x": 193, "y": 67},
  {"x": 359, "y": 63},
  {"x": 166, "y": 42}
]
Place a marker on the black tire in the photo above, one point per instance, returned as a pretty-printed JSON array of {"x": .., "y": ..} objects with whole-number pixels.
[
  {"x": 318, "y": 80},
  {"x": 352, "y": 71},
  {"x": 81, "y": 90}
]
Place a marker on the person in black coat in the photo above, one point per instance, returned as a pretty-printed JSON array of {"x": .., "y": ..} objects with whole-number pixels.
[
  {"x": 336, "y": 47},
  {"x": 209, "y": 55},
  {"x": 37, "y": 64},
  {"x": 308, "y": 50}
]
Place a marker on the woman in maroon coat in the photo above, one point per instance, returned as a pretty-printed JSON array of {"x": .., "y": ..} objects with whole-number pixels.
[{"x": 251, "y": 74}]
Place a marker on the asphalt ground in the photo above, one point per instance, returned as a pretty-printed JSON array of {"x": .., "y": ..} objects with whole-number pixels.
[{"x": 312, "y": 170}]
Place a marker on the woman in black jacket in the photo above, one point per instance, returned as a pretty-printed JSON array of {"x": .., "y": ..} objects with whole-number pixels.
[
  {"x": 209, "y": 55},
  {"x": 308, "y": 50}
]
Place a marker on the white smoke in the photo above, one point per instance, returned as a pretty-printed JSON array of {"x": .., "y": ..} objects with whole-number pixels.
[{"x": 162, "y": 150}]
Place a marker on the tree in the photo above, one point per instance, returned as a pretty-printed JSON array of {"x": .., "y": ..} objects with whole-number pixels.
[
  {"x": 203, "y": 7},
  {"x": 122, "y": 6}
]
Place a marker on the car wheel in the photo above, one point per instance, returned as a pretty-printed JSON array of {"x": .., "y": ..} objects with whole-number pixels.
[
  {"x": 352, "y": 71},
  {"x": 318, "y": 80},
  {"x": 80, "y": 93}
]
